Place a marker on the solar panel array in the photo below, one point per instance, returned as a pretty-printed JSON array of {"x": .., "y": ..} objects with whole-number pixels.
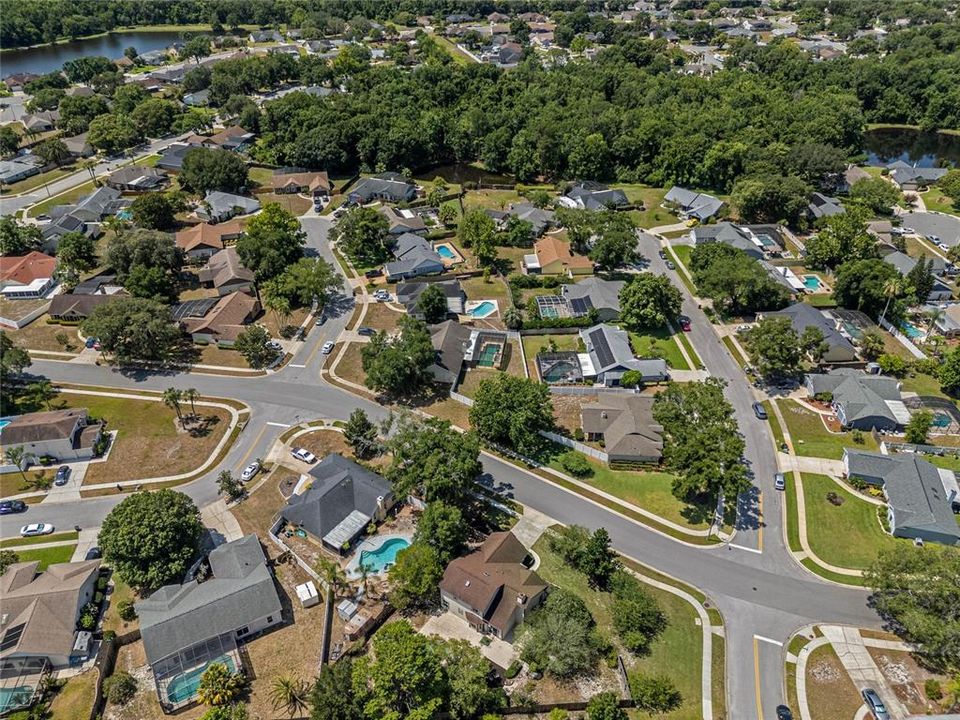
[
  {"x": 581, "y": 306},
  {"x": 602, "y": 348},
  {"x": 193, "y": 308},
  {"x": 11, "y": 637}
]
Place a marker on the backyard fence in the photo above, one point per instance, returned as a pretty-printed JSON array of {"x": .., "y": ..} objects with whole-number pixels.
[
  {"x": 887, "y": 447},
  {"x": 573, "y": 444},
  {"x": 462, "y": 399}
]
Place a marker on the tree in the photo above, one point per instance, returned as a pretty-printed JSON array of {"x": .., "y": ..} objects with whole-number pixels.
[
  {"x": 206, "y": 169},
  {"x": 920, "y": 280},
  {"x": 868, "y": 285},
  {"x": 915, "y": 591},
  {"x": 361, "y": 434},
  {"x": 332, "y": 576},
  {"x": 82, "y": 69},
  {"x": 306, "y": 280},
  {"x": 813, "y": 342},
  {"x": 228, "y": 485},
  {"x": 599, "y": 561},
  {"x": 702, "y": 443},
  {"x": 52, "y": 150},
  {"x": 734, "y": 281},
  {"x": 42, "y": 392},
  {"x": 774, "y": 347},
  {"x": 9, "y": 140},
  {"x": 127, "y": 97},
  {"x": 154, "y": 211},
  {"x": 78, "y": 112},
  {"x": 120, "y": 687},
  {"x": 76, "y": 253},
  {"x": 841, "y": 238},
  {"x": 278, "y": 304},
  {"x": 148, "y": 248},
  {"x": 558, "y": 644},
  {"x": 196, "y": 47},
  {"x": 219, "y": 686},
  {"x": 875, "y": 194},
  {"x": 398, "y": 365},
  {"x": 151, "y": 537},
  {"x": 252, "y": 344},
  {"x": 134, "y": 329},
  {"x": 616, "y": 240},
  {"x": 7, "y": 558},
  {"x": 289, "y": 694},
  {"x": 605, "y": 706},
  {"x": 443, "y": 528},
  {"x": 511, "y": 411},
  {"x": 191, "y": 395},
  {"x": 770, "y": 198},
  {"x": 415, "y": 577},
  {"x": 272, "y": 241},
  {"x": 154, "y": 117},
  {"x": 516, "y": 233},
  {"x": 654, "y": 693},
  {"x": 478, "y": 231},
  {"x": 361, "y": 235},
  {"x": 16, "y": 456},
  {"x": 150, "y": 282},
  {"x": 433, "y": 304},
  {"x": 17, "y": 239},
  {"x": 649, "y": 301},
  {"x": 637, "y": 617},
  {"x": 468, "y": 674},
  {"x": 332, "y": 696},
  {"x": 918, "y": 427},
  {"x": 113, "y": 133},
  {"x": 949, "y": 374},
  {"x": 818, "y": 164},
  {"x": 871, "y": 344}
]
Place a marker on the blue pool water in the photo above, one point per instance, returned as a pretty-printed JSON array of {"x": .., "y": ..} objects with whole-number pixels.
[
  {"x": 812, "y": 282},
  {"x": 483, "y": 309},
  {"x": 380, "y": 559},
  {"x": 125, "y": 215},
  {"x": 15, "y": 697},
  {"x": 445, "y": 252},
  {"x": 183, "y": 687},
  {"x": 910, "y": 330},
  {"x": 3, "y": 423}
]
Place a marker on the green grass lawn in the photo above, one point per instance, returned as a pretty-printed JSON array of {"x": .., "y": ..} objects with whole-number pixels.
[
  {"x": 684, "y": 340},
  {"x": 658, "y": 343},
  {"x": 476, "y": 288},
  {"x": 683, "y": 252},
  {"x": 923, "y": 385},
  {"x": 774, "y": 424},
  {"x": 48, "y": 556},
  {"x": 533, "y": 344},
  {"x": 950, "y": 462},
  {"x": 812, "y": 439},
  {"x": 848, "y": 535},
  {"x": 70, "y": 196},
  {"x": 934, "y": 199},
  {"x": 458, "y": 56},
  {"x": 75, "y": 699},
  {"x": 676, "y": 653},
  {"x": 36, "y": 181},
  {"x": 734, "y": 350},
  {"x": 14, "y": 543},
  {"x": 652, "y": 214}
]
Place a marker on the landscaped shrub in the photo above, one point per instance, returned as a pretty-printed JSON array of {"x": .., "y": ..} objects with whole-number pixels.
[
  {"x": 98, "y": 598},
  {"x": 637, "y": 617},
  {"x": 87, "y": 621},
  {"x": 578, "y": 434},
  {"x": 120, "y": 688},
  {"x": 932, "y": 689},
  {"x": 576, "y": 464},
  {"x": 126, "y": 611},
  {"x": 857, "y": 437},
  {"x": 514, "y": 669},
  {"x": 102, "y": 583},
  {"x": 858, "y": 483}
]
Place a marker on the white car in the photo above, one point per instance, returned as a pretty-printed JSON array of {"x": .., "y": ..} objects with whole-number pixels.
[
  {"x": 303, "y": 455},
  {"x": 36, "y": 529},
  {"x": 274, "y": 345},
  {"x": 382, "y": 296},
  {"x": 249, "y": 471},
  {"x": 327, "y": 347}
]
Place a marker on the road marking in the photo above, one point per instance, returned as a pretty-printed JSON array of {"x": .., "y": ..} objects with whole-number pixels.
[
  {"x": 768, "y": 640},
  {"x": 296, "y": 366},
  {"x": 314, "y": 352},
  {"x": 756, "y": 677},
  {"x": 744, "y": 547},
  {"x": 276, "y": 424},
  {"x": 243, "y": 460}
]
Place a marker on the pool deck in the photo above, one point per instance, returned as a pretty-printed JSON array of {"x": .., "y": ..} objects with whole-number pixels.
[
  {"x": 369, "y": 545},
  {"x": 472, "y": 305}
]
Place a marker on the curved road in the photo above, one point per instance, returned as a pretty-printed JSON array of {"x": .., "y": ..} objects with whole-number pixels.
[{"x": 763, "y": 593}]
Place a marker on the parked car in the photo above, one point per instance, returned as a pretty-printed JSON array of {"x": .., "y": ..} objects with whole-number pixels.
[
  {"x": 63, "y": 475},
  {"x": 366, "y": 331},
  {"x": 90, "y": 342},
  {"x": 8, "y": 507},
  {"x": 759, "y": 411},
  {"x": 303, "y": 455},
  {"x": 327, "y": 347},
  {"x": 376, "y": 272},
  {"x": 250, "y": 471},
  {"x": 685, "y": 323},
  {"x": 779, "y": 481},
  {"x": 274, "y": 345},
  {"x": 93, "y": 554},
  {"x": 320, "y": 320},
  {"x": 742, "y": 328},
  {"x": 382, "y": 296},
  {"x": 34, "y": 529},
  {"x": 875, "y": 704},
  {"x": 670, "y": 265},
  {"x": 662, "y": 254},
  {"x": 783, "y": 713}
]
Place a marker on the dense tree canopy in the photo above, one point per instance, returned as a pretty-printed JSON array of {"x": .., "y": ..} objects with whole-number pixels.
[
  {"x": 273, "y": 241},
  {"x": 736, "y": 282},
  {"x": 361, "y": 234},
  {"x": 511, "y": 411},
  {"x": 205, "y": 169},
  {"x": 649, "y": 301},
  {"x": 134, "y": 329},
  {"x": 398, "y": 365}
]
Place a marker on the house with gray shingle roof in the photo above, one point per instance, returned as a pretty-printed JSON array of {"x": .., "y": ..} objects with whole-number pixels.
[
  {"x": 757, "y": 241},
  {"x": 408, "y": 295},
  {"x": 415, "y": 257},
  {"x": 388, "y": 187},
  {"x": 597, "y": 293},
  {"x": 539, "y": 218},
  {"x": 920, "y": 496},
  {"x": 609, "y": 356},
  {"x": 803, "y": 315},
  {"x": 821, "y": 205},
  {"x": 625, "y": 423},
  {"x": 218, "y": 206},
  {"x": 910, "y": 177},
  {"x": 861, "y": 401},
  {"x": 690, "y": 204},
  {"x": 904, "y": 264},
  {"x": 590, "y": 195},
  {"x": 451, "y": 340}
]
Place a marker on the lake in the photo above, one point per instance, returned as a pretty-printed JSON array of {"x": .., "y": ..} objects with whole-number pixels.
[
  {"x": 48, "y": 58},
  {"x": 923, "y": 149}
]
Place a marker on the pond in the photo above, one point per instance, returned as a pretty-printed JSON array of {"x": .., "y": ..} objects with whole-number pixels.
[
  {"x": 923, "y": 149},
  {"x": 460, "y": 173},
  {"x": 48, "y": 58}
]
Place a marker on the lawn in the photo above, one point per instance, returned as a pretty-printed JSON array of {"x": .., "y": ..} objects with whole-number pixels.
[
  {"x": 951, "y": 462},
  {"x": 48, "y": 556},
  {"x": 922, "y": 384},
  {"x": 257, "y": 511},
  {"x": 937, "y": 201},
  {"x": 848, "y": 535},
  {"x": 75, "y": 699},
  {"x": 260, "y": 176},
  {"x": 830, "y": 693},
  {"x": 683, "y": 253},
  {"x": 111, "y": 618},
  {"x": 225, "y": 357},
  {"x": 734, "y": 350},
  {"x": 676, "y": 653},
  {"x": 476, "y": 288},
  {"x": 652, "y": 214},
  {"x": 42, "y": 335},
  {"x": 14, "y": 483},
  {"x": 684, "y": 340},
  {"x": 513, "y": 257},
  {"x": 452, "y": 50},
  {"x": 36, "y": 181},
  {"x": 149, "y": 443},
  {"x": 534, "y": 344},
  {"x": 66, "y": 198},
  {"x": 659, "y": 343},
  {"x": 812, "y": 439},
  {"x": 381, "y": 317},
  {"x": 474, "y": 376},
  {"x": 492, "y": 199},
  {"x": 291, "y": 202},
  {"x": 55, "y": 537}
]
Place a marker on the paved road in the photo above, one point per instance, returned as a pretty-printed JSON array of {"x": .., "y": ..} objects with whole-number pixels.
[{"x": 761, "y": 590}]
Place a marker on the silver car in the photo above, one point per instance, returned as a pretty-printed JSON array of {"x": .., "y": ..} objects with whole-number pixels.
[
  {"x": 779, "y": 481},
  {"x": 250, "y": 471},
  {"x": 35, "y": 529},
  {"x": 875, "y": 704}
]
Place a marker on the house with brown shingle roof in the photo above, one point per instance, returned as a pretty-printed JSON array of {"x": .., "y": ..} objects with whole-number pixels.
[
  {"x": 64, "y": 434},
  {"x": 224, "y": 321},
  {"x": 315, "y": 184},
  {"x": 493, "y": 588},
  {"x": 625, "y": 423},
  {"x": 552, "y": 256},
  {"x": 201, "y": 241},
  {"x": 226, "y": 273}
]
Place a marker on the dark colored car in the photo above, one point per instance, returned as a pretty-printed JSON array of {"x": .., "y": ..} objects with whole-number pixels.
[
  {"x": 8, "y": 507},
  {"x": 875, "y": 704},
  {"x": 670, "y": 265},
  {"x": 366, "y": 331},
  {"x": 783, "y": 713},
  {"x": 662, "y": 254},
  {"x": 63, "y": 475},
  {"x": 759, "y": 411},
  {"x": 685, "y": 323},
  {"x": 373, "y": 273},
  {"x": 93, "y": 554}
]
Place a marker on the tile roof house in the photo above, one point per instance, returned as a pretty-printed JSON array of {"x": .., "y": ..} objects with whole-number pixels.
[
  {"x": 921, "y": 497},
  {"x": 803, "y": 315},
  {"x": 223, "y": 322},
  {"x": 625, "y": 423},
  {"x": 388, "y": 187},
  {"x": 589, "y": 195},
  {"x": 699, "y": 206},
  {"x": 609, "y": 356},
  {"x": 315, "y": 183},
  {"x": 450, "y": 341},
  {"x": 909, "y": 177},
  {"x": 904, "y": 264},
  {"x": 593, "y": 292},
  {"x": 203, "y": 240},
  {"x": 552, "y": 256},
  {"x": 861, "y": 401},
  {"x": 64, "y": 434},
  {"x": 27, "y": 277},
  {"x": 138, "y": 178},
  {"x": 218, "y": 206},
  {"x": 493, "y": 588},
  {"x": 408, "y": 294},
  {"x": 38, "y": 624},
  {"x": 415, "y": 257},
  {"x": 340, "y": 499},
  {"x": 402, "y": 220},
  {"x": 225, "y": 272},
  {"x": 821, "y": 205},
  {"x": 180, "y": 623}
]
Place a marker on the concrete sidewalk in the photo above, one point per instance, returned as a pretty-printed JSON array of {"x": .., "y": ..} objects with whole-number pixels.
[
  {"x": 859, "y": 664},
  {"x": 816, "y": 465}
]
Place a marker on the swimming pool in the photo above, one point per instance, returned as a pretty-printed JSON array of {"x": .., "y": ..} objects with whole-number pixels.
[
  {"x": 483, "y": 309},
  {"x": 14, "y": 697},
  {"x": 183, "y": 687},
  {"x": 910, "y": 330},
  {"x": 813, "y": 283},
  {"x": 125, "y": 215},
  {"x": 488, "y": 355},
  {"x": 445, "y": 252},
  {"x": 378, "y": 560}
]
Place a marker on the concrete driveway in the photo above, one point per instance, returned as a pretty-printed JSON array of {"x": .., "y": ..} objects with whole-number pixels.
[{"x": 450, "y": 627}]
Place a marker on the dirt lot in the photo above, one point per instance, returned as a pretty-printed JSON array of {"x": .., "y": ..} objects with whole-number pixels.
[
  {"x": 830, "y": 693},
  {"x": 906, "y": 679},
  {"x": 381, "y": 317},
  {"x": 41, "y": 335},
  {"x": 566, "y": 410}
]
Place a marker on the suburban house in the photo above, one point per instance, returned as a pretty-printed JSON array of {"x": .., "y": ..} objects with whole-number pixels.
[
  {"x": 74, "y": 308},
  {"x": 904, "y": 264},
  {"x": 493, "y": 588},
  {"x": 757, "y": 241},
  {"x": 625, "y": 424},
  {"x": 911, "y": 178},
  {"x": 63, "y": 434},
  {"x": 408, "y": 293},
  {"x": 540, "y": 219},
  {"x": 552, "y": 256},
  {"x": 55, "y": 229},
  {"x": 136, "y": 178},
  {"x": 450, "y": 340},
  {"x": 590, "y": 195},
  {"x": 387, "y": 187},
  {"x": 336, "y": 502},
  {"x": 861, "y": 401},
  {"x": 200, "y": 98},
  {"x": 224, "y": 321},
  {"x": 225, "y": 272},
  {"x": 414, "y": 257},
  {"x": 79, "y": 145},
  {"x": 187, "y": 626},
  {"x": 38, "y": 625},
  {"x": 402, "y": 220},
  {"x": 16, "y": 81},
  {"x": 921, "y": 498},
  {"x": 594, "y": 293},
  {"x": 40, "y": 122},
  {"x": 265, "y": 36},
  {"x": 609, "y": 356},
  {"x": 27, "y": 277},
  {"x": 94, "y": 207},
  {"x": 948, "y": 324},
  {"x": 199, "y": 242},
  {"x": 172, "y": 158},
  {"x": 232, "y": 138},
  {"x": 316, "y": 184},
  {"x": 218, "y": 206},
  {"x": 821, "y": 205},
  {"x": 18, "y": 169},
  {"x": 693, "y": 205},
  {"x": 803, "y": 315}
]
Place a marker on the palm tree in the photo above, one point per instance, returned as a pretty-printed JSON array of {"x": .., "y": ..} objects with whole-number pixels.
[
  {"x": 278, "y": 304},
  {"x": 332, "y": 576},
  {"x": 290, "y": 694},
  {"x": 42, "y": 391},
  {"x": 365, "y": 571},
  {"x": 15, "y": 456},
  {"x": 892, "y": 289},
  {"x": 191, "y": 395},
  {"x": 171, "y": 398},
  {"x": 117, "y": 224}
]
